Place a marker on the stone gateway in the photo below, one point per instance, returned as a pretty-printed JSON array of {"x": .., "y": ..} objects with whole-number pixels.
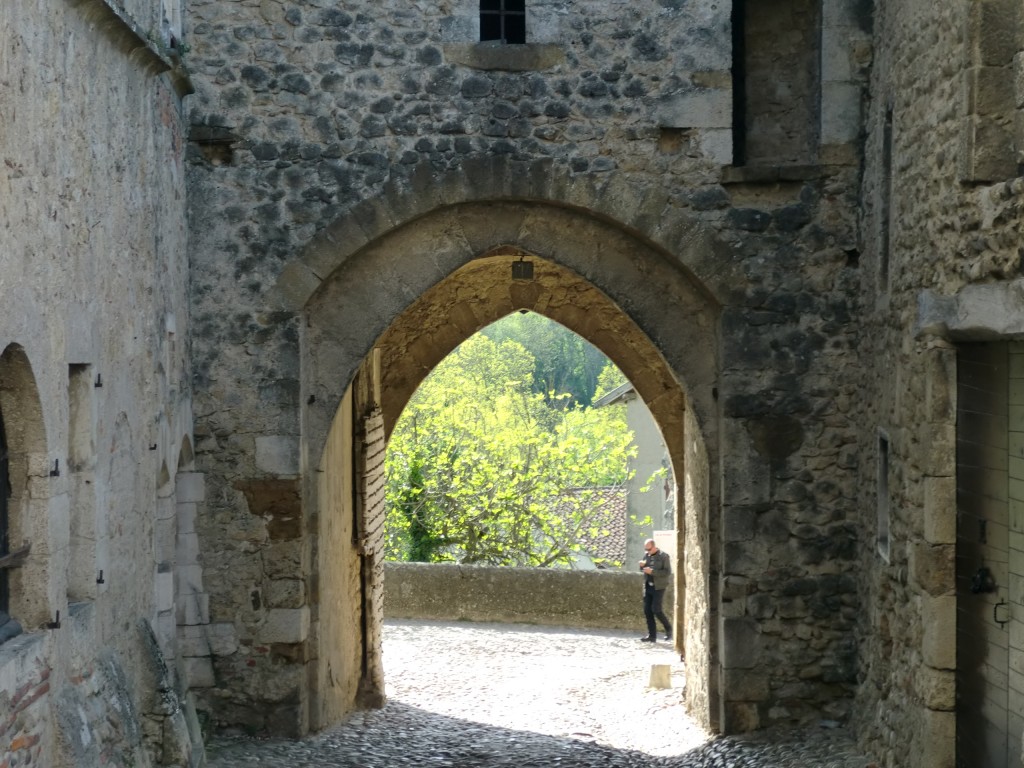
[{"x": 237, "y": 235}]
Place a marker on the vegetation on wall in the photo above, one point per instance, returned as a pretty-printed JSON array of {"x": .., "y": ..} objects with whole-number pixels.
[{"x": 483, "y": 457}]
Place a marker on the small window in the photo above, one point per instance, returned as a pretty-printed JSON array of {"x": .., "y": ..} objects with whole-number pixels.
[
  {"x": 503, "y": 20},
  {"x": 883, "y": 496}
]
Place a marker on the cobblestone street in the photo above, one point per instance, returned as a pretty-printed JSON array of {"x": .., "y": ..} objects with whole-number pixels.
[{"x": 468, "y": 695}]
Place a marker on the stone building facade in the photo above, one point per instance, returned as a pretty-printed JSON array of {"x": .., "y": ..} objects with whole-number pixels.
[
  {"x": 95, "y": 386},
  {"x": 795, "y": 227}
]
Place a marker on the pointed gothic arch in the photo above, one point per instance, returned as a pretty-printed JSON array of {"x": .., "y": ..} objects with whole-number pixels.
[{"x": 387, "y": 312}]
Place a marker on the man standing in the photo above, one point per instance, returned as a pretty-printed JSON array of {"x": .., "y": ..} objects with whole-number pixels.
[{"x": 657, "y": 569}]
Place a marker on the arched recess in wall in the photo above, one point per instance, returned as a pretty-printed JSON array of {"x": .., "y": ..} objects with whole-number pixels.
[
  {"x": 416, "y": 292},
  {"x": 27, "y": 513}
]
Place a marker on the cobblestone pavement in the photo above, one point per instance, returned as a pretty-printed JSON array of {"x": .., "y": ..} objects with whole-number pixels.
[{"x": 478, "y": 695}]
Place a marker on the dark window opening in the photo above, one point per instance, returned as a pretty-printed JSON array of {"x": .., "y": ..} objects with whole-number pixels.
[
  {"x": 885, "y": 201},
  {"x": 503, "y": 20},
  {"x": 5, "y": 544},
  {"x": 882, "y": 537}
]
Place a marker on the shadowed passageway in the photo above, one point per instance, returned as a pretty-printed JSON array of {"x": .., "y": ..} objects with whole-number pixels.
[{"x": 466, "y": 695}]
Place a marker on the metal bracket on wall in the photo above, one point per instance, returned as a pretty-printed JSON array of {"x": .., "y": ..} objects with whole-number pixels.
[{"x": 995, "y": 613}]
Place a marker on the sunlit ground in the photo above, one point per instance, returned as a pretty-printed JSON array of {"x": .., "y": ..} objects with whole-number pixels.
[{"x": 584, "y": 684}]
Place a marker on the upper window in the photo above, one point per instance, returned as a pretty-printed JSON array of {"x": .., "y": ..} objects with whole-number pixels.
[{"x": 503, "y": 20}]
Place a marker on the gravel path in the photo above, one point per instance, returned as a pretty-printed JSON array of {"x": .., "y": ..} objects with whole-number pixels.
[{"x": 467, "y": 695}]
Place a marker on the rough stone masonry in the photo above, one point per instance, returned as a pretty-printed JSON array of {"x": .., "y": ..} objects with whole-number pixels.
[{"x": 237, "y": 235}]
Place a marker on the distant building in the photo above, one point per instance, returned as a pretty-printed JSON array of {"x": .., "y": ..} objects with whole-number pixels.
[
  {"x": 649, "y": 491},
  {"x": 603, "y": 544}
]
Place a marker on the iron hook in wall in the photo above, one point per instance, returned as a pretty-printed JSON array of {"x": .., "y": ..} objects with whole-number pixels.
[{"x": 995, "y": 613}]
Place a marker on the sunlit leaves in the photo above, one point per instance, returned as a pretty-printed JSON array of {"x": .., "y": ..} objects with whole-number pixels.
[{"x": 480, "y": 464}]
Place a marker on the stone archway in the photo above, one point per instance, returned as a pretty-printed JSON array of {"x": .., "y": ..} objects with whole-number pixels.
[
  {"x": 419, "y": 289},
  {"x": 31, "y": 590}
]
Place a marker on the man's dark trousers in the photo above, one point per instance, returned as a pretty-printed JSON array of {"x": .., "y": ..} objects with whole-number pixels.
[{"x": 652, "y": 609}]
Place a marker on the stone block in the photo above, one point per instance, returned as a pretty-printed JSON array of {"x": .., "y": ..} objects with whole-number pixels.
[
  {"x": 219, "y": 639},
  {"x": 199, "y": 672},
  {"x": 187, "y": 517},
  {"x": 738, "y": 523},
  {"x": 740, "y": 717},
  {"x": 278, "y": 454},
  {"x": 285, "y": 625},
  {"x": 933, "y": 567},
  {"x": 745, "y": 685},
  {"x": 294, "y": 286},
  {"x": 661, "y": 676},
  {"x": 937, "y": 688},
  {"x": 222, "y": 637},
  {"x": 840, "y": 112},
  {"x": 741, "y": 643},
  {"x": 166, "y": 630},
  {"x": 193, "y": 609},
  {"x": 938, "y": 740},
  {"x": 835, "y": 54},
  {"x": 190, "y": 487},
  {"x": 190, "y": 578},
  {"x": 192, "y": 640},
  {"x": 986, "y": 150},
  {"x": 940, "y": 510},
  {"x": 698, "y": 108},
  {"x": 716, "y": 144},
  {"x": 164, "y": 540},
  {"x": 286, "y": 593},
  {"x": 163, "y": 589},
  {"x": 187, "y": 548},
  {"x": 938, "y": 641},
  {"x": 992, "y": 31},
  {"x": 988, "y": 91},
  {"x": 530, "y": 57},
  {"x": 277, "y": 502}
]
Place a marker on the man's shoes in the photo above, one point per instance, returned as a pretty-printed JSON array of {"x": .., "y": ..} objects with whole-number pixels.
[
  {"x": 648, "y": 639},
  {"x": 668, "y": 638}
]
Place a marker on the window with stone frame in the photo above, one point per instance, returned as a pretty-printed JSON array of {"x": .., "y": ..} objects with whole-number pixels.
[
  {"x": 776, "y": 75},
  {"x": 503, "y": 21},
  {"x": 882, "y": 535}
]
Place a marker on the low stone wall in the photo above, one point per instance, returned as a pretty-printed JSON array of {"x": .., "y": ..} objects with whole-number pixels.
[{"x": 599, "y": 599}]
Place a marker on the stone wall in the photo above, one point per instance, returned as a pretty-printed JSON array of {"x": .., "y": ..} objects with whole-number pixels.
[
  {"x": 95, "y": 392},
  {"x": 945, "y": 239},
  {"x": 549, "y": 596},
  {"x": 345, "y": 162}
]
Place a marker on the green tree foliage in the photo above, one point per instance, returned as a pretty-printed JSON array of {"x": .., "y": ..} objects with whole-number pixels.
[
  {"x": 564, "y": 362},
  {"x": 479, "y": 464},
  {"x": 609, "y": 378}
]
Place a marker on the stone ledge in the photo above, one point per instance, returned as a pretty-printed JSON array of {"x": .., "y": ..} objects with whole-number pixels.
[
  {"x": 528, "y": 57},
  {"x": 127, "y": 34},
  {"x": 769, "y": 174}
]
